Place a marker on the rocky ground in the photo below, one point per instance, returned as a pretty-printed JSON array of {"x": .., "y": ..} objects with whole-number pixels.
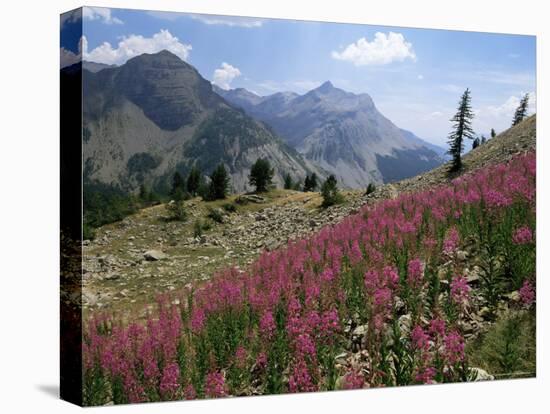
[{"x": 132, "y": 261}]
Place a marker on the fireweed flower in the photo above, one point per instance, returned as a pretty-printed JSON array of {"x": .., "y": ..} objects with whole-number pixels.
[
  {"x": 189, "y": 392},
  {"x": 214, "y": 386},
  {"x": 240, "y": 357},
  {"x": 426, "y": 375},
  {"x": 527, "y": 293},
  {"x": 437, "y": 327},
  {"x": 450, "y": 244},
  {"x": 300, "y": 379},
  {"x": 460, "y": 290},
  {"x": 391, "y": 277},
  {"x": 169, "y": 383},
  {"x": 371, "y": 280},
  {"x": 523, "y": 235},
  {"x": 353, "y": 380},
  {"x": 415, "y": 273},
  {"x": 267, "y": 325},
  {"x": 420, "y": 339},
  {"x": 454, "y": 347}
]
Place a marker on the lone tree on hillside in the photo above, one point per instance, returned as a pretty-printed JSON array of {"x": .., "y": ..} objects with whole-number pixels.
[
  {"x": 521, "y": 111},
  {"x": 219, "y": 183},
  {"x": 493, "y": 133},
  {"x": 330, "y": 192},
  {"x": 178, "y": 185},
  {"x": 193, "y": 180},
  {"x": 310, "y": 183},
  {"x": 462, "y": 128},
  {"x": 261, "y": 175},
  {"x": 477, "y": 142},
  {"x": 289, "y": 184}
]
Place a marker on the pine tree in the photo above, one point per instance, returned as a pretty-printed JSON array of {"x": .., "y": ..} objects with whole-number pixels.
[
  {"x": 521, "y": 111},
  {"x": 219, "y": 183},
  {"x": 261, "y": 175},
  {"x": 476, "y": 142},
  {"x": 178, "y": 185},
  {"x": 493, "y": 133},
  {"x": 462, "y": 128},
  {"x": 289, "y": 184},
  {"x": 193, "y": 180},
  {"x": 330, "y": 193},
  {"x": 310, "y": 183}
]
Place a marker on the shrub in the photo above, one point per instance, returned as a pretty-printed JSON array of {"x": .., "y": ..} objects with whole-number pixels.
[
  {"x": 215, "y": 214},
  {"x": 330, "y": 192},
  {"x": 229, "y": 207},
  {"x": 371, "y": 188},
  {"x": 176, "y": 210}
]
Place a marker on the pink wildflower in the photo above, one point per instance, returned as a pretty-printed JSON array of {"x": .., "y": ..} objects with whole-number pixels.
[
  {"x": 420, "y": 339},
  {"x": 454, "y": 347},
  {"x": 169, "y": 384},
  {"x": 267, "y": 325},
  {"x": 189, "y": 392},
  {"x": 426, "y": 376},
  {"x": 460, "y": 290},
  {"x": 214, "y": 386},
  {"x": 353, "y": 380},
  {"x": 437, "y": 327},
  {"x": 527, "y": 293},
  {"x": 450, "y": 244},
  {"x": 523, "y": 235},
  {"x": 415, "y": 274}
]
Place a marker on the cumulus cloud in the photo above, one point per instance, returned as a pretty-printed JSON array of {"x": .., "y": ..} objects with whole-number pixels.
[
  {"x": 383, "y": 49},
  {"x": 224, "y": 75},
  {"x": 500, "y": 116},
  {"x": 102, "y": 14},
  {"x": 72, "y": 16},
  {"x": 134, "y": 45},
  {"x": 68, "y": 57}
]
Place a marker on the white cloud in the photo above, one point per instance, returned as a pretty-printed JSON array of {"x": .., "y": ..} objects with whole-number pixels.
[
  {"x": 72, "y": 16},
  {"x": 234, "y": 21},
  {"x": 102, "y": 14},
  {"x": 134, "y": 45},
  {"x": 224, "y": 75},
  {"x": 228, "y": 20},
  {"x": 500, "y": 116},
  {"x": 68, "y": 57},
  {"x": 382, "y": 50},
  {"x": 420, "y": 77}
]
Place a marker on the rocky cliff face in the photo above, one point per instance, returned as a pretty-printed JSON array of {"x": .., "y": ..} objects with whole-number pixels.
[
  {"x": 342, "y": 132},
  {"x": 156, "y": 115}
]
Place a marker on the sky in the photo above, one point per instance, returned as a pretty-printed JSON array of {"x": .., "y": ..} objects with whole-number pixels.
[{"x": 415, "y": 76}]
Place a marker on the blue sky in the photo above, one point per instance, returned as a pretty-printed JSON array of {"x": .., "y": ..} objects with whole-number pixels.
[{"x": 415, "y": 76}]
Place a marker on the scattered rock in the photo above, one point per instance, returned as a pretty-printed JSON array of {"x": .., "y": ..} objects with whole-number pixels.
[
  {"x": 154, "y": 255},
  {"x": 480, "y": 374}
]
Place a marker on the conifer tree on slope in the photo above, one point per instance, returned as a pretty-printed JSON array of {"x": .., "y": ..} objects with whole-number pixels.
[
  {"x": 521, "y": 111},
  {"x": 462, "y": 128}
]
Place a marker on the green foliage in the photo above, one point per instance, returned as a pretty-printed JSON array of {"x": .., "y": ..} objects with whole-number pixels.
[
  {"x": 289, "y": 184},
  {"x": 371, "y": 188},
  {"x": 462, "y": 128},
  {"x": 311, "y": 182},
  {"x": 476, "y": 143},
  {"x": 194, "y": 180},
  {"x": 493, "y": 133},
  {"x": 229, "y": 207},
  {"x": 178, "y": 184},
  {"x": 104, "y": 204},
  {"x": 521, "y": 111},
  {"x": 261, "y": 175},
  {"x": 141, "y": 163},
  {"x": 508, "y": 349},
  {"x": 330, "y": 192},
  {"x": 215, "y": 214},
  {"x": 219, "y": 183},
  {"x": 176, "y": 210}
]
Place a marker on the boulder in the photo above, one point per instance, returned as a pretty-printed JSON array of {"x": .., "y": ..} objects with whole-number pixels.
[{"x": 154, "y": 255}]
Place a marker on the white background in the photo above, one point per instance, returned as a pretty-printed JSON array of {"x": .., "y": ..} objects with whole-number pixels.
[{"x": 29, "y": 207}]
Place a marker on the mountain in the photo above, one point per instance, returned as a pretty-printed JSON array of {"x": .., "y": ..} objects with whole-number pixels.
[
  {"x": 156, "y": 114},
  {"x": 95, "y": 67},
  {"x": 342, "y": 132}
]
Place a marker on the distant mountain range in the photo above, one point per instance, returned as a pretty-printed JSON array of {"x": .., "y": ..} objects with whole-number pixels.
[
  {"x": 156, "y": 114},
  {"x": 341, "y": 132}
]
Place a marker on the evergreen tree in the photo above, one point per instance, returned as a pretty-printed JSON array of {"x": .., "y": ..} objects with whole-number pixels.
[
  {"x": 521, "y": 111},
  {"x": 462, "y": 128},
  {"x": 310, "y": 183},
  {"x": 477, "y": 142},
  {"x": 493, "y": 133},
  {"x": 330, "y": 192},
  {"x": 178, "y": 185},
  {"x": 193, "y": 180},
  {"x": 261, "y": 175},
  {"x": 289, "y": 184},
  {"x": 219, "y": 183},
  {"x": 143, "y": 192}
]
